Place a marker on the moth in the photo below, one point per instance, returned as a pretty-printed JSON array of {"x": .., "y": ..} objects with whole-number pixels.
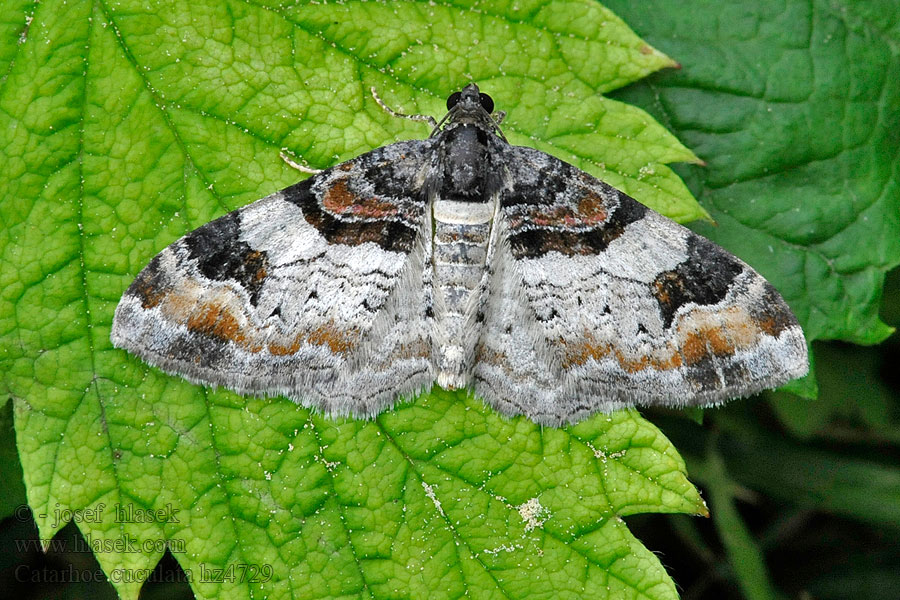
[{"x": 468, "y": 261}]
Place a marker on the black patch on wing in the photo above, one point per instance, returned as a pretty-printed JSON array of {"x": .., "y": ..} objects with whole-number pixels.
[
  {"x": 391, "y": 234},
  {"x": 713, "y": 373},
  {"x": 150, "y": 286},
  {"x": 704, "y": 375},
  {"x": 222, "y": 256},
  {"x": 390, "y": 175},
  {"x": 551, "y": 181},
  {"x": 386, "y": 182},
  {"x": 702, "y": 279},
  {"x": 772, "y": 313},
  {"x": 200, "y": 349},
  {"x": 536, "y": 241}
]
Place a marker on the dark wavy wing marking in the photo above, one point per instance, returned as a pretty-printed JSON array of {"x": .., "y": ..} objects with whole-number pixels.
[
  {"x": 315, "y": 292},
  {"x": 599, "y": 303}
]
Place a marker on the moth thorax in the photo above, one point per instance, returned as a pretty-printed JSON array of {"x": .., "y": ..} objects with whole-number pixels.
[{"x": 466, "y": 174}]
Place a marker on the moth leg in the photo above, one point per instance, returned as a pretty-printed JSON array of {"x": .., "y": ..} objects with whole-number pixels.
[
  {"x": 425, "y": 118},
  {"x": 290, "y": 161},
  {"x": 499, "y": 116}
]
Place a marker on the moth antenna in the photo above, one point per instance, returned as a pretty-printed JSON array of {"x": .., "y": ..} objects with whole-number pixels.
[
  {"x": 291, "y": 162},
  {"x": 425, "y": 118}
]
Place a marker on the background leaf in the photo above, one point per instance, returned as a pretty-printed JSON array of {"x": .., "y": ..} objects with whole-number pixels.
[
  {"x": 12, "y": 494},
  {"x": 794, "y": 106},
  {"x": 797, "y": 103},
  {"x": 126, "y": 125}
]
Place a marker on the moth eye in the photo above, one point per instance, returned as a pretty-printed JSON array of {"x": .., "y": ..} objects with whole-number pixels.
[
  {"x": 453, "y": 100},
  {"x": 487, "y": 103}
]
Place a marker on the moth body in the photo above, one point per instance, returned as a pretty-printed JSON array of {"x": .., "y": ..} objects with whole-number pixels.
[
  {"x": 464, "y": 184},
  {"x": 460, "y": 273}
]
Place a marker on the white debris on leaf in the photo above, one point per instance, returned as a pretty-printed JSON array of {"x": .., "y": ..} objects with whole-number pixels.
[
  {"x": 429, "y": 491},
  {"x": 502, "y": 548},
  {"x": 533, "y": 514},
  {"x": 602, "y": 455}
]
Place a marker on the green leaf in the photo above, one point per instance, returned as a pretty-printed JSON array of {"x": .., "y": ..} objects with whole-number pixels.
[
  {"x": 12, "y": 493},
  {"x": 862, "y": 488},
  {"x": 852, "y": 392},
  {"x": 794, "y": 107},
  {"x": 126, "y": 125},
  {"x": 743, "y": 551}
]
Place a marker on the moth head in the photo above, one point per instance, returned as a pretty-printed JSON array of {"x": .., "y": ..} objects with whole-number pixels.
[
  {"x": 469, "y": 98},
  {"x": 470, "y": 106}
]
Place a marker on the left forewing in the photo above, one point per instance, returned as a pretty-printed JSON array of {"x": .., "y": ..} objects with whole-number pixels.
[
  {"x": 598, "y": 303},
  {"x": 315, "y": 292}
]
